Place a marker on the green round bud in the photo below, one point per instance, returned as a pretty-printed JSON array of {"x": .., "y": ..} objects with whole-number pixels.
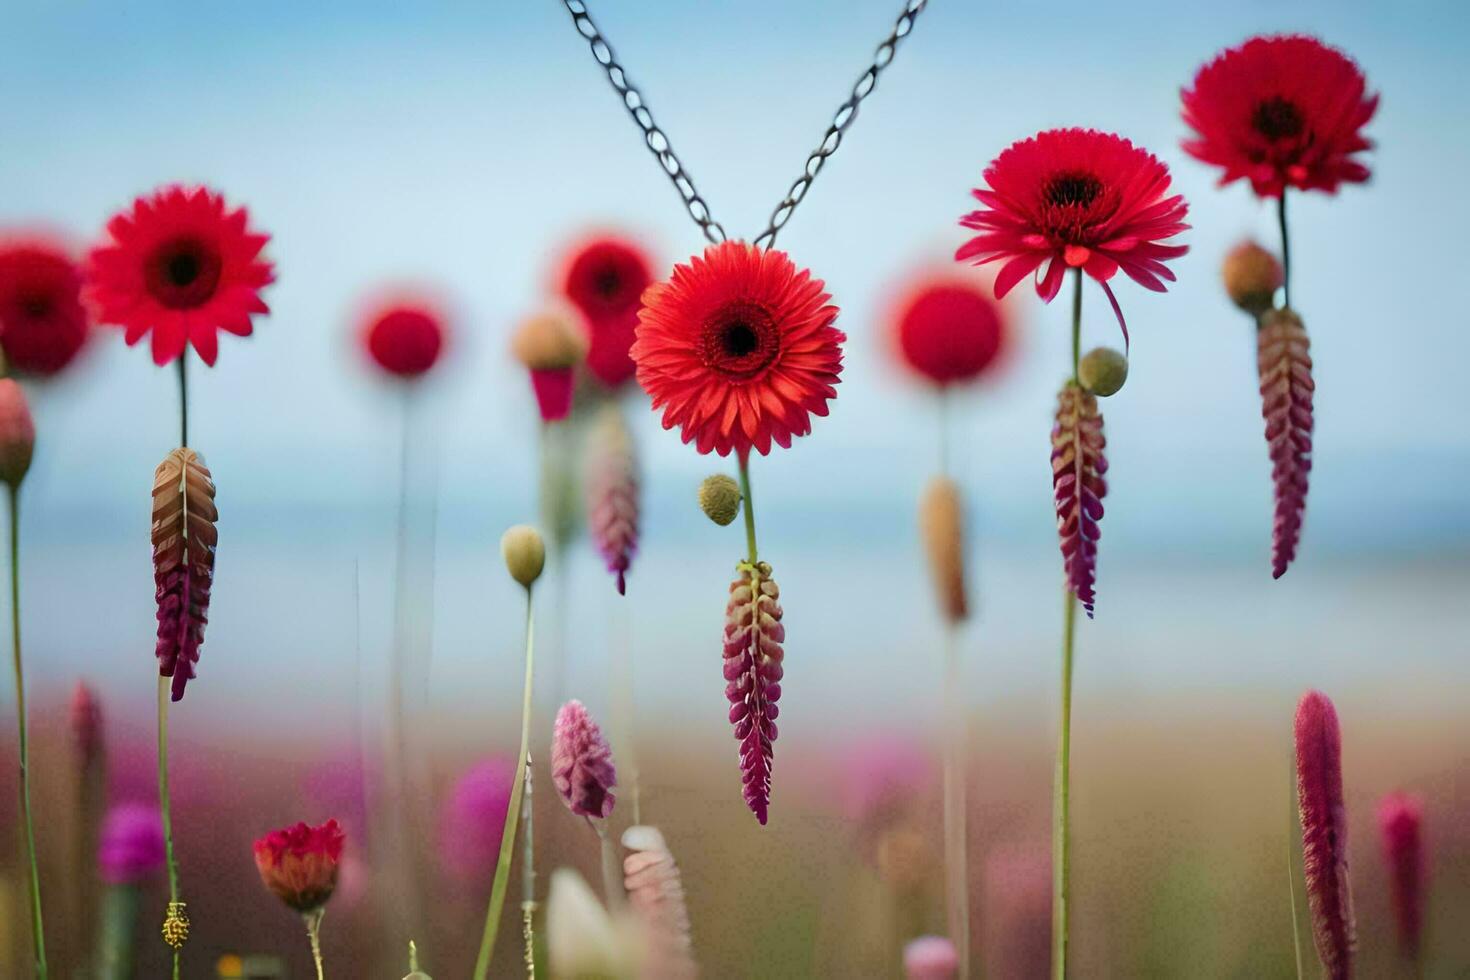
[
  {"x": 1102, "y": 371},
  {"x": 524, "y": 553},
  {"x": 719, "y": 498}
]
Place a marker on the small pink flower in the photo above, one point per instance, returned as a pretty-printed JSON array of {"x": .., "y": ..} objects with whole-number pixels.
[
  {"x": 581, "y": 763},
  {"x": 930, "y": 958},
  {"x": 130, "y": 845}
]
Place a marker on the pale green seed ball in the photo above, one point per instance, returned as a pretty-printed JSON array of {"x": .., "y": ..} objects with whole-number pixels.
[
  {"x": 719, "y": 498},
  {"x": 1102, "y": 371},
  {"x": 524, "y": 553}
]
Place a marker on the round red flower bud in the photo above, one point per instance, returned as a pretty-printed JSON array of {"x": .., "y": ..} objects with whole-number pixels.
[
  {"x": 604, "y": 278},
  {"x": 180, "y": 266},
  {"x": 43, "y": 324},
  {"x": 17, "y": 433},
  {"x": 1252, "y": 275},
  {"x": 949, "y": 329},
  {"x": 299, "y": 864},
  {"x": 405, "y": 339}
]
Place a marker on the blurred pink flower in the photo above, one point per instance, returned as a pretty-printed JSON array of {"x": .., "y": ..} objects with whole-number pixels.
[
  {"x": 130, "y": 845},
  {"x": 882, "y": 775},
  {"x": 1401, "y": 827},
  {"x": 1324, "y": 832},
  {"x": 473, "y": 817},
  {"x": 1017, "y": 910},
  {"x": 930, "y": 958}
]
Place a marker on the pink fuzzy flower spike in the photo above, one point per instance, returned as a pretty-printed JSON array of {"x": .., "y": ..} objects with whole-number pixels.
[
  {"x": 581, "y": 763},
  {"x": 1324, "y": 832},
  {"x": 86, "y": 724},
  {"x": 1401, "y": 827},
  {"x": 753, "y": 670},
  {"x": 611, "y": 479}
]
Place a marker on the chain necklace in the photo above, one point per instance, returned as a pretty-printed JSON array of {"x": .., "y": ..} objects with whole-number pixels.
[{"x": 658, "y": 142}]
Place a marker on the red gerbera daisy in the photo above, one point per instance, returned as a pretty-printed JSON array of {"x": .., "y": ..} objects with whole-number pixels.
[
  {"x": 1281, "y": 111},
  {"x": 949, "y": 329},
  {"x": 182, "y": 266},
  {"x": 1076, "y": 198},
  {"x": 604, "y": 277},
  {"x": 42, "y": 321},
  {"x": 738, "y": 349},
  {"x": 404, "y": 338}
]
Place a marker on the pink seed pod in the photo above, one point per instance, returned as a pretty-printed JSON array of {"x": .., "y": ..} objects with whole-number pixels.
[
  {"x": 1078, "y": 487},
  {"x": 1324, "y": 832},
  {"x": 184, "y": 539},
  {"x": 611, "y": 481},
  {"x": 1284, "y": 362},
  {"x": 581, "y": 763},
  {"x": 1401, "y": 832},
  {"x": 753, "y": 670}
]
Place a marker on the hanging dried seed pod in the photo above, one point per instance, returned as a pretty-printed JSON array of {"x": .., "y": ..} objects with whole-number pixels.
[
  {"x": 942, "y": 524},
  {"x": 1078, "y": 487},
  {"x": 753, "y": 655},
  {"x": 611, "y": 481},
  {"x": 184, "y": 539},
  {"x": 1284, "y": 361}
]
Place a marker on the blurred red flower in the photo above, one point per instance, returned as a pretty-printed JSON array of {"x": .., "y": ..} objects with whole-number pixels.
[
  {"x": 1281, "y": 111},
  {"x": 180, "y": 265},
  {"x": 738, "y": 349},
  {"x": 405, "y": 339},
  {"x": 604, "y": 277},
  {"x": 299, "y": 864},
  {"x": 949, "y": 329},
  {"x": 1076, "y": 199},
  {"x": 43, "y": 323}
]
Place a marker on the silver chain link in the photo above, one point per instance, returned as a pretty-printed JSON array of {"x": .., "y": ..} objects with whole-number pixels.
[{"x": 658, "y": 143}]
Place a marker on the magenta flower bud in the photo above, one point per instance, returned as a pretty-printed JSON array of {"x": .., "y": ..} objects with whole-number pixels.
[
  {"x": 130, "y": 846},
  {"x": 1324, "y": 832},
  {"x": 581, "y": 763},
  {"x": 86, "y": 724},
  {"x": 1401, "y": 829},
  {"x": 17, "y": 433},
  {"x": 930, "y": 958}
]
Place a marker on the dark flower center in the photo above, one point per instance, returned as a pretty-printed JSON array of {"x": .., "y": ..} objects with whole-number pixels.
[
  {"x": 183, "y": 273},
  {"x": 1073, "y": 188},
  {"x": 1277, "y": 118},
  {"x": 740, "y": 339},
  {"x": 35, "y": 306},
  {"x": 607, "y": 282}
]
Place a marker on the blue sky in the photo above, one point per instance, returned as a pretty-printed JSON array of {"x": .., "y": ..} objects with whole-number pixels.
[{"x": 461, "y": 145}]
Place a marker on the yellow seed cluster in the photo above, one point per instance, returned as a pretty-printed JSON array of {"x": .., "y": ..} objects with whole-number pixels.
[
  {"x": 719, "y": 498},
  {"x": 176, "y": 925}
]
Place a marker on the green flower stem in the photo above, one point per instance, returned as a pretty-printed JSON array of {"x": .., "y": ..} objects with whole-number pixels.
[
  {"x": 1062, "y": 790},
  {"x": 171, "y": 862},
  {"x": 512, "y": 814},
  {"x": 749, "y": 510},
  {"x": 115, "y": 937},
  {"x": 528, "y": 877},
  {"x": 612, "y": 876},
  {"x": 1285, "y": 250},
  {"x": 313, "y": 921},
  {"x": 184, "y": 398},
  {"x": 38, "y": 930},
  {"x": 956, "y": 860}
]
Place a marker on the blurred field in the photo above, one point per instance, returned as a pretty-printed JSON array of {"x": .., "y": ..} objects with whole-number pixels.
[{"x": 1181, "y": 819}]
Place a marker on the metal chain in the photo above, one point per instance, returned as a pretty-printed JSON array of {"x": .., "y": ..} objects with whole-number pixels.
[
  {"x": 846, "y": 114},
  {"x": 658, "y": 142}
]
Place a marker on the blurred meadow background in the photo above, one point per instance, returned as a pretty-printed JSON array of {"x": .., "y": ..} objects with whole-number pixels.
[{"x": 462, "y": 146}]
